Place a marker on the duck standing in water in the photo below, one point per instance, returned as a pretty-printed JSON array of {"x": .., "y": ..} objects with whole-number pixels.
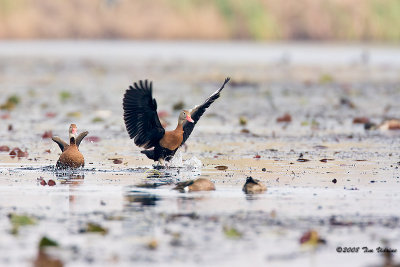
[
  {"x": 70, "y": 157},
  {"x": 144, "y": 126},
  {"x": 253, "y": 186}
]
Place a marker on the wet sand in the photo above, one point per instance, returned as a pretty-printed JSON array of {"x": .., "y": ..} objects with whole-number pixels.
[{"x": 161, "y": 226}]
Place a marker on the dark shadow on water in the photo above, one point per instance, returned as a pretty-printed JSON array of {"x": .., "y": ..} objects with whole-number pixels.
[{"x": 138, "y": 199}]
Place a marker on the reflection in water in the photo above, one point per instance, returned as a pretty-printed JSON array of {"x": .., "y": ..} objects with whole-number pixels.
[
  {"x": 70, "y": 177},
  {"x": 143, "y": 199}
]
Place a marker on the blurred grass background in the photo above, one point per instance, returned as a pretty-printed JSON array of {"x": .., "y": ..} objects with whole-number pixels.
[{"x": 344, "y": 20}]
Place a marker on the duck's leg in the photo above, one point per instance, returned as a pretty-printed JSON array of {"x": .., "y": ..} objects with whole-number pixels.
[{"x": 160, "y": 164}]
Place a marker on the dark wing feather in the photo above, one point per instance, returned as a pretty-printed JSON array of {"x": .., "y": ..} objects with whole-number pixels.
[
  {"x": 140, "y": 115},
  {"x": 198, "y": 111},
  {"x": 80, "y": 138},
  {"x": 63, "y": 145}
]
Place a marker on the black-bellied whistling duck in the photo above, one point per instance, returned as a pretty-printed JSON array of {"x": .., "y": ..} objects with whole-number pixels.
[
  {"x": 70, "y": 157},
  {"x": 200, "y": 184},
  {"x": 253, "y": 186},
  {"x": 143, "y": 124}
]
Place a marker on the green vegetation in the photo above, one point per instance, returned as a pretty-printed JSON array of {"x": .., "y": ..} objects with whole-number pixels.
[
  {"x": 47, "y": 242},
  {"x": 20, "y": 220},
  {"x": 11, "y": 102},
  {"x": 352, "y": 20}
]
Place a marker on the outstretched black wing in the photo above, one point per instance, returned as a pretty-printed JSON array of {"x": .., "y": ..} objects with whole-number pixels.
[
  {"x": 140, "y": 115},
  {"x": 80, "y": 138},
  {"x": 63, "y": 145},
  {"x": 198, "y": 111}
]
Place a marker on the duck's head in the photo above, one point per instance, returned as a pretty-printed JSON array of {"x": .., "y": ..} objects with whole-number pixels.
[
  {"x": 184, "y": 116},
  {"x": 72, "y": 132}
]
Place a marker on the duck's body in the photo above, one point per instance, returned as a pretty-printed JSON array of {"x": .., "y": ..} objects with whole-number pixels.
[
  {"x": 200, "y": 184},
  {"x": 70, "y": 157},
  {"x": 143, "y": 124},
  {"x": 253, "y": 186}
]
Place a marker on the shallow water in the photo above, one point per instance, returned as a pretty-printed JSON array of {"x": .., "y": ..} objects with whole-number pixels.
[{"x": 360, "y": 209}]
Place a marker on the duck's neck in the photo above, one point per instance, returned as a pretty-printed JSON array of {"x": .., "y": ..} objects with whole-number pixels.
[
  {"x": 72, "y": 141},
  {"x": 179, "y": 127}
]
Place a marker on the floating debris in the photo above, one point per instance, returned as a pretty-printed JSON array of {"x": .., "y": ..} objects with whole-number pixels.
[
  {"x": 301, "y": 158},
  {"x": 347, "y": 102},
  {"x": 334, "y": 181},
  {"x": 311, "y": 238},
  {"x": 325, "y": 160}
]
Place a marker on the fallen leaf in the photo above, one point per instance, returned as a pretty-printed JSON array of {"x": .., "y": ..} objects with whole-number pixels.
[
  {"x": 153, "y": 244},
  {"x": 311, "y": 238},
  {"x": 96, "y": 228},
  {"x": 65, "y": 95},
  {"x": 5, "y": 116},
  {"x": 19, "y": 220},
  {"x": 93, "y": 139},
  {"x": 221, "y": 167},
  {"x": 97, "y": 119},
  {"x": 47, "y": 242},
  {"x": 74, "y": 114},
  {"x": 51, "y": 183},
  {"x": 285, "y": 118},
  {"x": 4, "y": 149},
  {"x": 116, "y": 160},
  {"x": 242, "y": 120},
  {"x": 257, "y": 156},
  {"x": 361, "y": 120},
  {"x": 178, "y": 105},
  {"x": 47, "y": 134},
  {"x": 50, "y": 115},
  {"x": 231, "y": 232},
  {"x": 18, "y": 152}
]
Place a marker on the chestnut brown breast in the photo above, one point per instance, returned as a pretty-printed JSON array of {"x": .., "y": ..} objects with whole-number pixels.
[
  {"x": 71, "y": 157},
  {"x": 172, "y": 139}
]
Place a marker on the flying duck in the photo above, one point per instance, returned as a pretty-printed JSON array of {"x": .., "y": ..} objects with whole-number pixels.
[
  {"x": 144, "y": 126},
  {"x": 70, "y": 157}
]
